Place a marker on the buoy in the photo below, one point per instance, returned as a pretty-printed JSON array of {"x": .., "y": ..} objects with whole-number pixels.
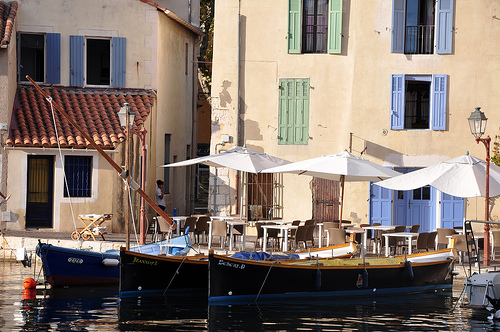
[
  {"x": 29, "y": 283},
  {"x": 29, "y": 293}
]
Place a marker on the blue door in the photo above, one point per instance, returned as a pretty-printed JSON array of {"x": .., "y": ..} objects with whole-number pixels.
[
  {"x": 452, "y": 211},
  {"x": 421, "y": 204}
]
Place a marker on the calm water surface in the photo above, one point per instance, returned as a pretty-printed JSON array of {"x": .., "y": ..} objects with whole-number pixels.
[{"x": 99, "y": 309}]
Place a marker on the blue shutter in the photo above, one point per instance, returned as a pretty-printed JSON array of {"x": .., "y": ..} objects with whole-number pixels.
[
  {"x": 452, "y": 211},
  {"x": 439, "y": 97},
  {"x": 119, "y": 62},
  {"x": 397, "y": 101},
  {"x": 53, "y": 58},
  {"x": 294, "y": 24},
  {"x": 380, "y": 205},
  {"x": 444, "y": 27},
  {"x": 76, "y": 55},
  {"x": 335, "y": 27},
  {"x": 398, "y": 26}
]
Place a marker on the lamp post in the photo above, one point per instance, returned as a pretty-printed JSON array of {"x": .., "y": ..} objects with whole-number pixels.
[
  {"x": 477, "y": 123},
  {"x": 126, "y": 117}
]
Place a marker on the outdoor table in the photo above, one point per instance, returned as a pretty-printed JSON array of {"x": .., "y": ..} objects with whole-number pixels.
[
  {"x": 284, "y": 233},
  {"x": 409, "y": 236},
  {"x": 376, "y": 249},
  {"x": 231, "y": 224}
]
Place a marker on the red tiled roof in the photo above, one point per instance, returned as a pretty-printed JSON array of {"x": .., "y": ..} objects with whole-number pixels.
[
  {"x": 93, "y": 110},
  {"x": 7, "y": 15}
]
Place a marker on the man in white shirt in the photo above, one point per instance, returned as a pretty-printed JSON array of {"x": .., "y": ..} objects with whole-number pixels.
[{"x": 160, "y": 196}]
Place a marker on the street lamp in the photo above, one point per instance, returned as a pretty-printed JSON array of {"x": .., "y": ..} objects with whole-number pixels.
[
  {"x": 477, "y": 123},
  {"x": 126, "y": 117}
]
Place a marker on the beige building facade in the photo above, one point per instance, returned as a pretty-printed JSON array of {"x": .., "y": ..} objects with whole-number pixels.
[
  {"x": 147, "y": 56},
  {"x": 392, "y": 80}
]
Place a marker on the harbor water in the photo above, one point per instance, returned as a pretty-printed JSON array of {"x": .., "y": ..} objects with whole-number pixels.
[{"x": 100, "y": 309}]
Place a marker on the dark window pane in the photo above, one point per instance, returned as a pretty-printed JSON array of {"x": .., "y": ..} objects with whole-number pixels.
[
  {"x": 426, "y": 193},
  {"x": 98, "y": 62},
  {"x": 32, "y": 57},
  {"x": 78, "y": 173},
  {"x": 417, "y": 107},
  {"x": 315, "y": 26}
]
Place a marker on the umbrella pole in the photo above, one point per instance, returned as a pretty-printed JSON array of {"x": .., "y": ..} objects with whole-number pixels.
[{"x": 342, "y": 182}]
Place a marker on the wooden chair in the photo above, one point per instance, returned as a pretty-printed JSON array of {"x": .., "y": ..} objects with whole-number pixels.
[
  {"x": 165, "y": 229},
  {"x": 495, "y": 243},
  {"x": 442, "y": 234},
  {"x": 219, "y": 229},
  {"x": 300, "y": 236},
  {"x": 202, "y": 227},
  {"x": 431, "y": 241},
  {"x": 421, "y": 244},
  {"x": 191, "y": 223},
  {"x": 336, "y": 236}
]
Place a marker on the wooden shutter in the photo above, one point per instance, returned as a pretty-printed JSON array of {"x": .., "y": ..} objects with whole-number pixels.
[
  {"x": 53, "y": 64},
  {"x": 293, "y": 127},
  {"x": 398, "y": 26},
  {"x": 335, "y": 27},
  {"x": 76, "y": 56},
  {"x": 119, "y": 62},
  {"x": 380, "y": 205},
  {"x": 294, "y": 25},
  {"x": 397, "y": 101},
  {"x": 444, "y": 26},
  {"x": 439, "y": 97}
]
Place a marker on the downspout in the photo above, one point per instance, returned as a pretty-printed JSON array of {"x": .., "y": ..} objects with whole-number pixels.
[
  {"x": 238, "y": 113},
  {"x": 194, "y": 129}
]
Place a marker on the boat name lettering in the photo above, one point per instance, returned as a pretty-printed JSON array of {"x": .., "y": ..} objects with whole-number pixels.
[
  {"x": 230, "y": 264},
  {"x": 144, "y": 261},
  {"x": 75, "y": 260}
]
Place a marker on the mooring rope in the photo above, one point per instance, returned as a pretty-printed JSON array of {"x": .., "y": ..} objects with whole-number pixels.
[
  {"x": 265, "y": 279},
  {"x": 175, "y": 273}
]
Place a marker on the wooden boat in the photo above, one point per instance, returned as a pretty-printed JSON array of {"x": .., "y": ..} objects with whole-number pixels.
[
  {"x": 146, "y": 274},
  {"x": 233, "y": 279},
  {"x": 70, "y": 266},
  {"x": 338, "y": 251}
]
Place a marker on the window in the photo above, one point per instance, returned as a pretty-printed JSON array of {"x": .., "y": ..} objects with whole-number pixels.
[
  {"x": 40, "y": 57},
  {"x": 97, "y": 61},
  {"x": 419, "y": 102},
  {"x": 314, "y": 26},
  {"x": 264, "y": 196},
  {"x": 419, "y": 26},
  {"x": 78, "y": 176},
  {"x": 293, "y": 114}
]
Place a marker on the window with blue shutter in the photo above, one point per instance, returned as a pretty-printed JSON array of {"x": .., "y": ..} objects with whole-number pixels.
[
  {"x": 314, "y": 26},
  {"x": 98, "y": 61},
  {"x": 419, "y": 102},
  {"x": 78, "y": 176},
  {"x": 416, "y": 22},
  {"x": 40, "y": 57},
  {"x": 293, "y": 117}
]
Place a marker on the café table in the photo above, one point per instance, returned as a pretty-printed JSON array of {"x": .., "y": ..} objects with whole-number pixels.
[
  {"x": 180, "y": 222},
  {"x": 284, "y": 233},
  {"x": 363, "y": 238},
  {"x": 231, "y": 224},
  {"x": 376, "y": 249},
  {"x": 409, "y": 237}
]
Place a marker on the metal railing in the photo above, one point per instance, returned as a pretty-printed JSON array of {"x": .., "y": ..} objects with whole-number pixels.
[{"x": 419, "y": 39}]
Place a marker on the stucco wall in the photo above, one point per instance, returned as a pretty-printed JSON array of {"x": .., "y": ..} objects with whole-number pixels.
[{"x": 350, "y": 92}]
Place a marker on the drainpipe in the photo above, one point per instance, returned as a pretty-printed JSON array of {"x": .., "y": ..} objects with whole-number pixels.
[
  {"x": 238, "y": 78},
  {"x": 194, "y": 128}
]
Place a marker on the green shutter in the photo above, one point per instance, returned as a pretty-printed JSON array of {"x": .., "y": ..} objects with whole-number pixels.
[
  {"x": 293, "y": 116},
  {"x": 335, "y": 27},
  {"x": 294, "y": 19}
]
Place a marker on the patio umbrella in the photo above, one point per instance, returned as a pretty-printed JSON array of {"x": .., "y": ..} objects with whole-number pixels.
[
  {"x": 339, "y": 167},
  {"x": 464, "y": 176},
  {"x": 238, "y": 158}
]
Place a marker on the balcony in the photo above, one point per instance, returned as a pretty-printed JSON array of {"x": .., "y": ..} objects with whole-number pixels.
[{"x": 419, "y": 39}]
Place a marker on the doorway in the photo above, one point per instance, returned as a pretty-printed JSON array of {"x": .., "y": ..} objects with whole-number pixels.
[{"x": 39, "y": 201}]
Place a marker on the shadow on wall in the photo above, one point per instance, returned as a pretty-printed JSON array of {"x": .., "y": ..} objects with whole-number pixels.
[{"x": 224, "y": 95}]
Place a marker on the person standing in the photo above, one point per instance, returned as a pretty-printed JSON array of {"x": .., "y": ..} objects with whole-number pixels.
[{"x": 160, "y": 195}]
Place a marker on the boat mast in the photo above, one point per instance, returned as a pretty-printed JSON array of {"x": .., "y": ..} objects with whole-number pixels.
[{"x": 123, "y": 173}]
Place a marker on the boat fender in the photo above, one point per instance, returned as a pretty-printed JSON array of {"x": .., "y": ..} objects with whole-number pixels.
[
  {"x": 365, "y": 279},
  {"x": 318, "y": 279},
  {"x": 409, "y": 268},
  {"x": 110, "y": 262}
]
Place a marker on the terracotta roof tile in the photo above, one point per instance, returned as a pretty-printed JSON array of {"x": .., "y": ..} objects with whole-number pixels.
[
  {"x": 95, "y": 111},
  {"x": 8, "y": 12}
]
